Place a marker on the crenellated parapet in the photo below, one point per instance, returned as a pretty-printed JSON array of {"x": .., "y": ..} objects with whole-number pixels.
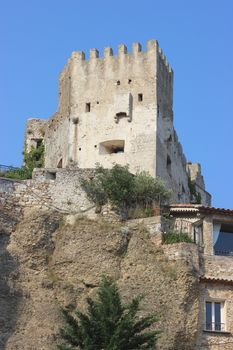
[
  {"x": 109, "y": 61},
  {"x": 164, "y": 60}
]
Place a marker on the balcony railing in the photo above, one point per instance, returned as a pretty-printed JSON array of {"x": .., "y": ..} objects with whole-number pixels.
[
  {"x": 223, "y": 252},
  {"x": 215, "y": 327}
]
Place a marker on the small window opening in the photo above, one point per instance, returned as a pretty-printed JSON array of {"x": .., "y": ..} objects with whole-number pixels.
[
  {"x": 170, "y": 138},
  {"x": 80, "y": 149},
  {"x": 97, "y": 102},
  {"x": 140, "y": 97},
  {"x": 113, "y": 146},
  {"x": 95, "y": 146},
  {"x": 169, "y": 165},
  {"x": 129, "y": 81},
  {"x": 121, "y": 114},
  {"x": 59, "y": 165},
  {"x": 88, "y": 107},
  {"x": 38, "y": 143},
  {"x": 118, "y": 82},
  {"x": 50, "y": 175}
]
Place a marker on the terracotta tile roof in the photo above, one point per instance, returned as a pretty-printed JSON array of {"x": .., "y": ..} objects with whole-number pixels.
[
  {"x": 200, "y": 208},
  {"x": 212, "y": 210},
  {"x": 215, "y": 280}
]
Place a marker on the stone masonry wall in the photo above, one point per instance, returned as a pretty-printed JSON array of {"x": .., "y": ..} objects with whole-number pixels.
[
  {"x": 63, "y": 193},
  {"x": 35, "y": 131}
]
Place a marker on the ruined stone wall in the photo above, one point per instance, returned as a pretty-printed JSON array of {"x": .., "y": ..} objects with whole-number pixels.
[
  {"x": 57, "y": 189},
  {"x": 57, "y": 141},
  {"x": 194, "y": 172},
  {"x": 35, "y": 131}
]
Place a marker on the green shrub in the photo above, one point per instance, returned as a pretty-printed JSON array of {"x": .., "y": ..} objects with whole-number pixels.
[
  {"x": 175, "y": 237},
  {"x": 32, "y": 159},
  {"x": 149, "y": 190},
  {"x": 124, "y": 190}
]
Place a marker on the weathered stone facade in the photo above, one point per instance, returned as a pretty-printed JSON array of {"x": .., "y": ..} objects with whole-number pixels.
[
  {"x": 117, "y": 109},
  {"x": 58, "y": 189}
]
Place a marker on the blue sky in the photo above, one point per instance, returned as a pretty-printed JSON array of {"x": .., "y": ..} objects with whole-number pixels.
[{"x": 37, "y": 38}]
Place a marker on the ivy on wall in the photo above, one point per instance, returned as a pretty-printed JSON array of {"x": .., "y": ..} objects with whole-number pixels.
[
  {"x": 32, "y": 159},
  {"x": 195, "y": 196}
]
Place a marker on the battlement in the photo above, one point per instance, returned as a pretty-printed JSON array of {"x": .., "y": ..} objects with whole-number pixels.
[
  {"x": 152, "y": 53},
  {"x": 122, "y": 50}
]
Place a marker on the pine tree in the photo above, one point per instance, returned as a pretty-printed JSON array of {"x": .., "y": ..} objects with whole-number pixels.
[{"x": 108, "y": 324}]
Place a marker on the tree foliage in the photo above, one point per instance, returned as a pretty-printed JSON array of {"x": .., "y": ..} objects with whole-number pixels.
[
  {"x": 123, "y": 189},
  {"x": 108, "y": 324}
]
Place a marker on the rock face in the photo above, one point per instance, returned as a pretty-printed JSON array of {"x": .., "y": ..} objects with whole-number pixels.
[{"x": 50, "y": 261}]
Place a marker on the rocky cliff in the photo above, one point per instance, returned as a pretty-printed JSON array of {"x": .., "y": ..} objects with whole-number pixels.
[{"x": 49, "y": 260}]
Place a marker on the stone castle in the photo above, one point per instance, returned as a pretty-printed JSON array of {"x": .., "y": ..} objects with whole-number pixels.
[
  {"x": 118, "y": 109},
  {"x": 54, "y": 247}
]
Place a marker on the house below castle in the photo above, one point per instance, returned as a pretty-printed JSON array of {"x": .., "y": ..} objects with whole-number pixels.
[
  {"x": 118, "y": 109},
  {"x": 212, "y": 231}
]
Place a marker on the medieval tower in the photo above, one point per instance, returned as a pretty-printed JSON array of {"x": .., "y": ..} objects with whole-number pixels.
[{"x": 118, "y": 109}]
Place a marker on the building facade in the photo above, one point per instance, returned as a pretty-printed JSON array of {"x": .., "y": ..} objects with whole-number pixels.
[
  {"x": 118, "y": 109},
  {"x": 212, "y": 230}
]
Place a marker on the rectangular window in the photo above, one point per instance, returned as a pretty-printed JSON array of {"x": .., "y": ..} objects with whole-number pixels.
[
  {"x": 140, "y": 97},
  {"x": 88, "y": 107},
  {"x": 214, "y": 316},
  {"x": 223, "y": 239},
  {"x": 112, "y": 146}
]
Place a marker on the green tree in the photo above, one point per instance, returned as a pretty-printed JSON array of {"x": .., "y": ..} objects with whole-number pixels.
[
  {"x": 123, "y": 189},
  {"x": 149, "y": 190},
  {"x": 108, "y": 324}
]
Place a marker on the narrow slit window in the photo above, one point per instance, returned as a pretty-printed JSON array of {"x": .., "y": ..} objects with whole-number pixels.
[
  {"x": 59, "y": 165},
  {"x": 88, "y": 107},
  {"x": 140, "y": 97},
  {"x": 118, "y": 82},
  {"x": 169, "y": 165}
]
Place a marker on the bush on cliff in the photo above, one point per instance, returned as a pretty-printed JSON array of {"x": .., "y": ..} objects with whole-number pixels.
[
  {"x": 175, "y": 237},
  {"x": 124, "y": 190},
  {"x": 108, "y": 324}
]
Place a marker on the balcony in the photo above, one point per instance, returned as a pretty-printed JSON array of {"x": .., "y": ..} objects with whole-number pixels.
[{"x": 215, "y": 327}]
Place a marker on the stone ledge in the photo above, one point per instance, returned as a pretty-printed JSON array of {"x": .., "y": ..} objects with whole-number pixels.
[{"x": 217, "y": 332}]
